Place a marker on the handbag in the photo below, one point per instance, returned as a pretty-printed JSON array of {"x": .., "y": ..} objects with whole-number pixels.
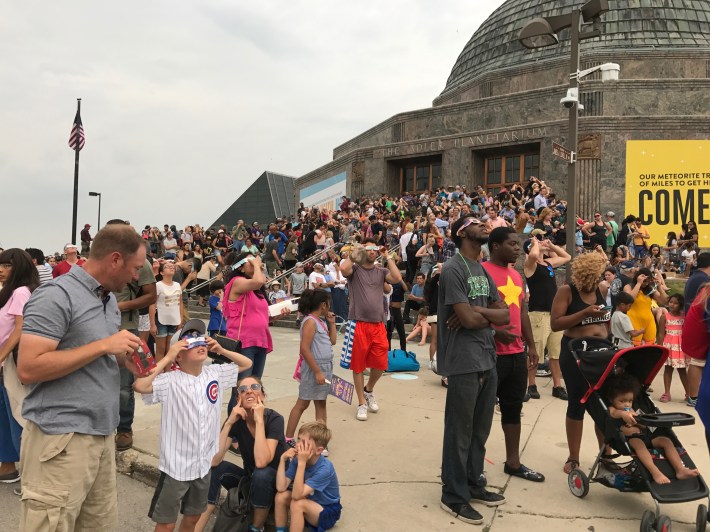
[
  {"x": 230, "y": 344},
  {"x": 233, "y": 514},
  {"x": 398, "y": 360}
]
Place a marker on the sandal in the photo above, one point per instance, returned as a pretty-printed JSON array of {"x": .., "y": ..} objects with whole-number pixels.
[
  {"x": 665, "y": 398},
  {"x": 570, "y": 464}
]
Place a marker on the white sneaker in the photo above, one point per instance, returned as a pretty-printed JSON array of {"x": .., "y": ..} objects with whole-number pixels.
[
  {"x": 371, "y": 402},
  {"x": 361, "y": 413}
]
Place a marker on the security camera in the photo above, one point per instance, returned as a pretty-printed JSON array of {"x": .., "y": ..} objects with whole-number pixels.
[{"x": 571, "y": 98}]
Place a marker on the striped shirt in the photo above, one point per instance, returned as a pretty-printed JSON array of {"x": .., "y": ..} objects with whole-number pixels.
[{"x": 189, "y": 424}]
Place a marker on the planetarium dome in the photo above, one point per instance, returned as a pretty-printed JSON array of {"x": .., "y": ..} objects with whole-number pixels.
[{"x": 628, "y": 25}]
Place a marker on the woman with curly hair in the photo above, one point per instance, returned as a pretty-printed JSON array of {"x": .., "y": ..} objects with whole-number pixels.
[{"x": 579, "y": 309}]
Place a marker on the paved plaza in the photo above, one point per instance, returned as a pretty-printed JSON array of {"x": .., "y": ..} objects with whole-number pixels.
[{"x": 389, "y": 466}]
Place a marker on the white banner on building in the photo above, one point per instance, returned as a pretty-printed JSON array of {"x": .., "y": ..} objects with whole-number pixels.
[{"x": 326, "y": 194}]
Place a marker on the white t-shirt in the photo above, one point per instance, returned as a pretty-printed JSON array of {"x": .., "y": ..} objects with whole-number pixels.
[
  {"x": 404, "y": 242},
  {"x": 688, "y": 256},
  {"x": 315, "y": 277},
  {"x": 340, "y": 280},
  {"x": 168, "y": 303}
]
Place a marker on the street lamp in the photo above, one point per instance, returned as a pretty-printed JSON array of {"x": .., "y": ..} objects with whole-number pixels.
[
  {"x": 94, "y": 194},
  {"x": 541, "y": 32}
]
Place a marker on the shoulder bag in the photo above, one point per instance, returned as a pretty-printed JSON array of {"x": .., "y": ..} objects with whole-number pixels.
[
  {"x": 230, "y": 344},
  {"x": 233, "y": 515}
]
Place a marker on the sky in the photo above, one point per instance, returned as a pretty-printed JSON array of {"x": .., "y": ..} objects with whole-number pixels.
[{"x": 185, "y": 104}]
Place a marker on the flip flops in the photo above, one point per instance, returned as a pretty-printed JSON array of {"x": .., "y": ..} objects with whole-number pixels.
[{"x": 666, "y": 397}]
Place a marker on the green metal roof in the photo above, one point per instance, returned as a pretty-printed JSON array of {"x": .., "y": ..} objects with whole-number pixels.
[{"x": 629, "y": 24}]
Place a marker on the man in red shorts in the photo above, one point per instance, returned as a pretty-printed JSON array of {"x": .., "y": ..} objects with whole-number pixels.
[{"x": 366, "y": 282}]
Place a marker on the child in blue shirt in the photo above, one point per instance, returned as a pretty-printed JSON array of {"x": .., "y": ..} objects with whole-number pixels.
[
  {"x": 217, "y": 325},
  {"x": 314, "y": 498}
]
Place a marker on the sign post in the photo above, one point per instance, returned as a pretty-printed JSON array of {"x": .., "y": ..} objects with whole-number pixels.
[{"x": 558, "y": 150}]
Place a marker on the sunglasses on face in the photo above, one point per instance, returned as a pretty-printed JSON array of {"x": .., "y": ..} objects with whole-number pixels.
[
  {"x": 469, "y": 221},
  {"x": 371, "y": 248},
  {"x": 246, "y": 387}
]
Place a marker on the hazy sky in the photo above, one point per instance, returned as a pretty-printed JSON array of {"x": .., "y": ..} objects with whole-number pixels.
[{"x": 185, "y": 103}]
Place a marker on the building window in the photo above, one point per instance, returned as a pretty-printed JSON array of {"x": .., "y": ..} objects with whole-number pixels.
[
  {"x": 507, "y": 170},
  {"x": 420, "y": 176}
]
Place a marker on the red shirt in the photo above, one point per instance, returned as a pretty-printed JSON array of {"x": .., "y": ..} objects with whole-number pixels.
[
  {"x": 64, "y": 267},
  {"x": 696, "y": 334},
  {"x": 511, "y": 290}
]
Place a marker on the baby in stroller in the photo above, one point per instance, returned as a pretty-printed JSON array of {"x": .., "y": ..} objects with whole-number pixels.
[{"x": 620, "y": 391}]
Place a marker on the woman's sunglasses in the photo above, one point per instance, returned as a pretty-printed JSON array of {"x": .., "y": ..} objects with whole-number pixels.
[{"x": 246, "y": 387}]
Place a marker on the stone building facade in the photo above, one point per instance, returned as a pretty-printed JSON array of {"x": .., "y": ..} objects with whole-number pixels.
[{"x": 496, "y": 119}]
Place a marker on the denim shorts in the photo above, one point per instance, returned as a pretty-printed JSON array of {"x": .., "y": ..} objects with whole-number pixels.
[{"x": 164, "y": 330}]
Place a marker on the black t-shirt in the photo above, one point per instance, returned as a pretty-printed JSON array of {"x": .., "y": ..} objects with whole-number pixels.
[
  {"x": 397, "y": 293},
  {"x": 376, "y": 228},
  {"x": 273, "y": 429},
  {"x": 543, "y": 287}
]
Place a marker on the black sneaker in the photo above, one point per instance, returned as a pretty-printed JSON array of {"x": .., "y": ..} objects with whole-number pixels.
[
  {"x": 560, "y": 393},
  {"x": 463, "y": 512},
  {"x": 532, "y": 392},
  {"x": 488, "y": 498}
]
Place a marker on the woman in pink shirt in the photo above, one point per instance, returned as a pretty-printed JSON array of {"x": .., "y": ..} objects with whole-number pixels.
[
  {"x": 245, "y": 307},
  {"x": 19, "y": 278}
]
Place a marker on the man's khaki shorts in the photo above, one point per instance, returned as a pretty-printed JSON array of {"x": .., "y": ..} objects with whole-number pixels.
[
  {"x": 68, "y": 481},
  {"x": 544, "y": 336}
]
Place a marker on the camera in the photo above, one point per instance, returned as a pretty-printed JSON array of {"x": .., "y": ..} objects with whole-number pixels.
[{"x": 571, "y": 99}]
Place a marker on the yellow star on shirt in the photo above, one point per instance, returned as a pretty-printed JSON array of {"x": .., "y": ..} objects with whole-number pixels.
[{"x": 511, "y": 292}]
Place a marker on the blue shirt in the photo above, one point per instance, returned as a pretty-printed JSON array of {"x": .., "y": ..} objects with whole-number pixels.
[
  {"x": 321, "y": 478},
  {"x": 417, "y": 291},
  {"x": 283, "y": 240},
  {"x": 216, "y": 323},
  {"x": 692, "y": 286}
]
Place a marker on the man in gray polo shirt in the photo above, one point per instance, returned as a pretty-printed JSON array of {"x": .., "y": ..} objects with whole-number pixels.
[{"x": 70, "y": 352}]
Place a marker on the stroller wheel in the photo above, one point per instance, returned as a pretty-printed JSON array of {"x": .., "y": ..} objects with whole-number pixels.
[
  {"x": 663, "y": 524},
  {"x": 701, "y": 520},
  {"x": 648, "y": 519},
  {"x": 578, "y": 483}
]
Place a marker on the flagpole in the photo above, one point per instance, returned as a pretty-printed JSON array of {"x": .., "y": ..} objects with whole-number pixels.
[{"x": 76, "y": 179}]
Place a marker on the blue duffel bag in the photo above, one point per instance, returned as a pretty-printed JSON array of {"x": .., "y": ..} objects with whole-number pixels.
[{"x": 398, "y": 360}]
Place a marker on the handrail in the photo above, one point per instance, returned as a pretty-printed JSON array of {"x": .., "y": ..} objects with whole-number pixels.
[
  {"x": 312, "y": 258},
  {"x": 204, "y": 283}
]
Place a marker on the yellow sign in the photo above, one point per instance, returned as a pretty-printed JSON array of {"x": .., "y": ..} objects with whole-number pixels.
[{"x": 668, "y": 184}]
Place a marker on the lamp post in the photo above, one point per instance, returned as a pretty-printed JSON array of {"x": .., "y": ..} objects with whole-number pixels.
[
  {"x": 542, "y": 32},
  {"x": 94, "y": 194}
]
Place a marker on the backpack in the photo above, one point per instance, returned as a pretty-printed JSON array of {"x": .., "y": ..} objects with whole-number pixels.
[{"x": 233, "y": 515}]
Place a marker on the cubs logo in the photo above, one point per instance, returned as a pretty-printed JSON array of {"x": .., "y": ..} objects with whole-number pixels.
[{"x": 213, "y": 392}]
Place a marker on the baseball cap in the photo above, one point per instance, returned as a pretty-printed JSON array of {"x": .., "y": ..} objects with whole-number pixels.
[
  {"x": 536, "y": 232},
  {"x": 86, "y": 226},
  {"x": 70, "y": 246},
  {"x": 628, "y": 265},
  {"x": 194, "y": 331},
  {"x": 611, "y": 214}
]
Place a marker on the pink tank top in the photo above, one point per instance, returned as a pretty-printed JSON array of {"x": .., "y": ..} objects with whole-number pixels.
[{"x": 254, "y": 321}]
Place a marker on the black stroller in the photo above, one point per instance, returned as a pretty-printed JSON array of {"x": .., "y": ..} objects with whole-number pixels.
[{"x": 597, "y": 359}]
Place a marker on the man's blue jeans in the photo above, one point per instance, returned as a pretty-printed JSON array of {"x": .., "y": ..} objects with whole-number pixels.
[
  {"x": 468, "y": 415},
  {"x": 127, "y": 400}
]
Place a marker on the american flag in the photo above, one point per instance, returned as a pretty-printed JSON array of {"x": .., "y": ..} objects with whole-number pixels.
[{"x": 77, "y": 133}]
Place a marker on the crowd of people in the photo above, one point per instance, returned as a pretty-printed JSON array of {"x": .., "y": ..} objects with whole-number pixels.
[{"x": 69, "y": 325}]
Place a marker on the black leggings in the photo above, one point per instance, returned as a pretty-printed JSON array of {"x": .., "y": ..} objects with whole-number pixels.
[
  {"x": 396, "y": 321},
  {"x": 574, "y": 381}
]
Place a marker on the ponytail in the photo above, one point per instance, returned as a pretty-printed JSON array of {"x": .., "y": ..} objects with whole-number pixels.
[{"x": 312, "y": 299}]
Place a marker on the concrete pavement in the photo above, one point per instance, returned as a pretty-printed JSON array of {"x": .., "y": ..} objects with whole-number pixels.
[{"x": 389, "y": 466}]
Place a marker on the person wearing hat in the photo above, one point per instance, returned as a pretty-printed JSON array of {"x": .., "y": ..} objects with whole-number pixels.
[
  {"x": 191, "y": 402},
  {"x": 71, "y": 258},
  {"x": 276, "y": 295},
  {"x": 221, "y": 244},
  {"x": 85, "y": 239}
]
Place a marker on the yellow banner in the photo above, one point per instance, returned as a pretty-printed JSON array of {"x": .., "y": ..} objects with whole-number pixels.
[{"x": 668, "y": 184}]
